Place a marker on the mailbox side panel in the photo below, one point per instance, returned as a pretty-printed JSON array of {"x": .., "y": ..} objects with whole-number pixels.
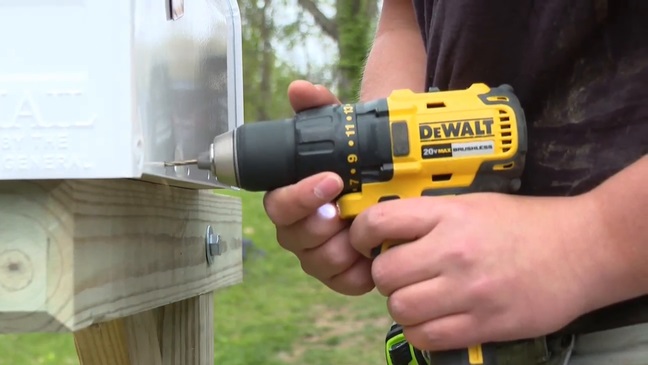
[
  {"x": 188, "y": 81},
  {"x": 65, "y": 82}
]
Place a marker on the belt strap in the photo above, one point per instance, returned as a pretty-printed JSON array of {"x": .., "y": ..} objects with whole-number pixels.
[
  {"x": 546, "y": 350},
  {"x": 622, "y": 314}
]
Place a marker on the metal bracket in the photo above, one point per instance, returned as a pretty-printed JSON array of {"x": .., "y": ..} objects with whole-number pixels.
[{"x": 175, "y": 9}]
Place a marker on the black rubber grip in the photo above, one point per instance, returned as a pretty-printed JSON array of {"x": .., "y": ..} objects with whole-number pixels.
[{"x": 265, "y": 153}]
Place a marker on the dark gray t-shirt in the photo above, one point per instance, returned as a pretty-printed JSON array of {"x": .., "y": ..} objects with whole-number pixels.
[{"x": 580, "y": 69}]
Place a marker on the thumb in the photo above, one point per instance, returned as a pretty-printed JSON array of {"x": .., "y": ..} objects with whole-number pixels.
[{"x": 304, "y": 95}]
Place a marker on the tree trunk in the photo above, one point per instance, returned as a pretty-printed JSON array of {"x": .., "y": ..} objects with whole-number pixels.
[
  {"x": 352, "y": 29},
  {"x": 267, "y": 61}
]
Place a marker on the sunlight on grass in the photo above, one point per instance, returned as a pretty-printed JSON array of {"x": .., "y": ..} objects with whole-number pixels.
[{"x": 37, "y": 348}]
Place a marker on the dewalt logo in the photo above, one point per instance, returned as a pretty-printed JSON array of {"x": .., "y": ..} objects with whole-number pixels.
[{"x": 456, "y": 129}]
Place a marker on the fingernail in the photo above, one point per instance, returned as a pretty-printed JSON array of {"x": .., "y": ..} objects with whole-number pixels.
[
  {"x": 327, "y": 211},
  {"x": 328, "y": 188}
]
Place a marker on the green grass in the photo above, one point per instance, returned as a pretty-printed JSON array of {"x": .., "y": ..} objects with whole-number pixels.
[{"x": 278, "y": 315}]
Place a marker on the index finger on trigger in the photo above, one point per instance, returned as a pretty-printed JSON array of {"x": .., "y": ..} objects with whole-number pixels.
[{"x": 289, "y": 204}]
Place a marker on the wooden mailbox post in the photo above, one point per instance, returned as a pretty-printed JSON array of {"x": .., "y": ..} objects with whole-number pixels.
[
  {"x": 120, "y": 263},
  {"x": 97, "y": 236}
]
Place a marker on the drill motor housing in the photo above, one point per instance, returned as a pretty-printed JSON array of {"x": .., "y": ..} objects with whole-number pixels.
[{"x": 445, "y": 143}]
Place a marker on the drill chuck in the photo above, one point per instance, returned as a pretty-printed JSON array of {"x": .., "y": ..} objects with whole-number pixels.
[
  {"x": 256, "y": 157},
  {"x": 220, "y": 158}
]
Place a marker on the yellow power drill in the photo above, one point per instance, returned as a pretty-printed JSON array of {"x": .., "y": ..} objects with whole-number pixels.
[{"x": 403, "y": 146}]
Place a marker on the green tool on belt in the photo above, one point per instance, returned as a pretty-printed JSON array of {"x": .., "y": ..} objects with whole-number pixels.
[{"x": 400, "y": 352}]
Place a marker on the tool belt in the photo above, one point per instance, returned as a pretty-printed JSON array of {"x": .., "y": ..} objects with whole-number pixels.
[{"x": 628, "y": 313}]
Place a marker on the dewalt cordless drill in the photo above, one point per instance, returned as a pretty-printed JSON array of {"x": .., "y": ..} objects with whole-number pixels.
[{"x": 403, "y": 146}]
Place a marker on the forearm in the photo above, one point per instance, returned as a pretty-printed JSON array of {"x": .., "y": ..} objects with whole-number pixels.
[
  {"x": 397, "y": 58},
  {"x": 622, "y": 208}
]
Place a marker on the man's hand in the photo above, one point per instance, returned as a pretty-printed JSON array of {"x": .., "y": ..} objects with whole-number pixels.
[
  {"x": 308, "y": 225},
  {"x": 484, "y": 267}
]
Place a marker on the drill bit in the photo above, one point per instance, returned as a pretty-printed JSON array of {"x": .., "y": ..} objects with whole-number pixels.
[{"x": 181, "y": 163}]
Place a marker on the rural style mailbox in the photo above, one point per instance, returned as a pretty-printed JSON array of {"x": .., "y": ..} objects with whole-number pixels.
[
  {"x": 97, "y": 236},
  {"x": 111, "y": 89}
]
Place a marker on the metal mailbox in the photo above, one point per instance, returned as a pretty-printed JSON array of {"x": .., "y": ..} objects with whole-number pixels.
[{"x": 113, "y": 88}]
